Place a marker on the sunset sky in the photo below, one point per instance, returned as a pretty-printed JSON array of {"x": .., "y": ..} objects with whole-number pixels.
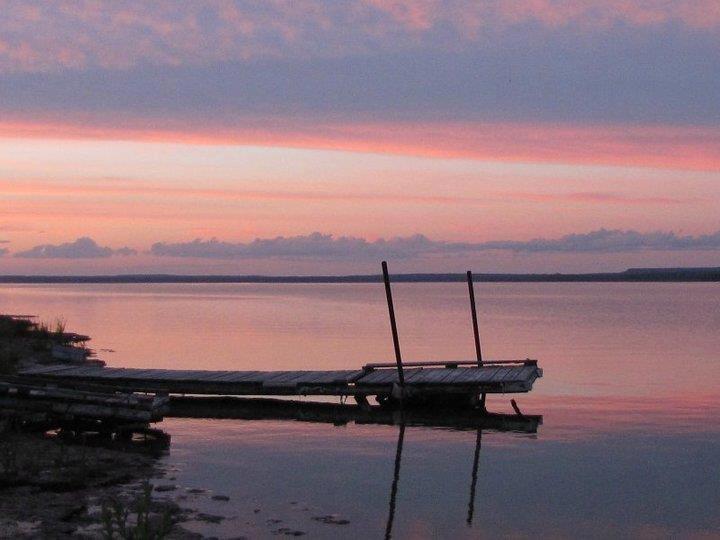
[{"x": 319, "y": 136}]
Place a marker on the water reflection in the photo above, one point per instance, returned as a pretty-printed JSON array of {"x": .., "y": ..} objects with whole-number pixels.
[
  {"x": 341, "y": 414},
  {"x": 517, "y": 420},
  {"x": 396, "y": 480},
  {"x": 473, "y": 483},
  {"x": 630, "y": 441}
]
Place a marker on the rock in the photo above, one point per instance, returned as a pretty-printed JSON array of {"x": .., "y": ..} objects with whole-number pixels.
[
  {"x": 73, "y": 512},
  {"x": 331, "y": 520},
  {"x": 220, "y": 498},
  {"x": 165, "y": 487},
  {"x": 209, "y": 518},
  {"x": 289, "y": 532}
]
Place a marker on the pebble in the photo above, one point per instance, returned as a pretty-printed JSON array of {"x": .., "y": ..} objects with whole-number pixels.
[
  {"x": 209, "y": 518},
  {"x": 289, "y": 532},
  {"x": 331, "y": 520}
]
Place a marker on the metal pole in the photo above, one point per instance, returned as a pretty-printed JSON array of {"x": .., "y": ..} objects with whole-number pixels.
[
  {"x": 471, "y": 289},
  {"x": 393, "y": 325},
  {"x": 476, "y": 331}
]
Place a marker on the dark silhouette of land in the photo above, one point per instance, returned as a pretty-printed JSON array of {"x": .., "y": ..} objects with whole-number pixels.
[{"x": 630, "y": 275}]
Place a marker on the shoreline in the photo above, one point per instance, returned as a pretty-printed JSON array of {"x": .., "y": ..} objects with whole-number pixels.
[
  {"x": 56, "y": 487},
  {"x": 59, "y": 478},
  {"x": 631, "y": 275}
]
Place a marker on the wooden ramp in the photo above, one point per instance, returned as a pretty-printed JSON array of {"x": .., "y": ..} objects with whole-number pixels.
[{"x": 421, "y": 378}]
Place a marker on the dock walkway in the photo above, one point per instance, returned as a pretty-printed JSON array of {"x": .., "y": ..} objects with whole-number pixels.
[{"x": 420, "y": 378}]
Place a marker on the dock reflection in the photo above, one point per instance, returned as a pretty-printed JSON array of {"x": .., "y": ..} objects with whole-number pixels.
[
  {"x": 339, "y": 414},
  {"x": 396, "y": 480}
]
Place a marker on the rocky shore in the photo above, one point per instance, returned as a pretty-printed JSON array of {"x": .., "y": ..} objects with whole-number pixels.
[
  {"x": 61, "y": 482},
  {"x": 51, "y": 488}
]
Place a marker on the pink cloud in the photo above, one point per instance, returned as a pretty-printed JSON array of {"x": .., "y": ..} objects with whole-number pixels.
[
  {"x": 138, "y": 188},
  {"x": 671, "y": 147}
]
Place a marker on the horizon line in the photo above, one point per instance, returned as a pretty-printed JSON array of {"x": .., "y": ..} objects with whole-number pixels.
[{"x": 705, "y": 274}]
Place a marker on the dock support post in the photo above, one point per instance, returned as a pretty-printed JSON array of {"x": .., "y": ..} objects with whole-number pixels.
[
  {"x": 393, "y": 324},
  {"x": 476, "y": 331}
]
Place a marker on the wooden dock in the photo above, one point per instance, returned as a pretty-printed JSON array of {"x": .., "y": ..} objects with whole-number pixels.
[
  {"x": 420, "y": 378},
  {"x": 434, "y": 382}
]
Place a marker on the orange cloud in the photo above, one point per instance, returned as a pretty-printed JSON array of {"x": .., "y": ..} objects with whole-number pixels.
[{"x": 671, "y": 147}]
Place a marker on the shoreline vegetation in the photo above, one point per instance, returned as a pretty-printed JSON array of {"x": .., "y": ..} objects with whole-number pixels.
[
  {"x": 632, "y": 275},
  {"x": 63, "y": 472}
]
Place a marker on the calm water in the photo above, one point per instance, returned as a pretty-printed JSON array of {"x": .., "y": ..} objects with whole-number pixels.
[{"x": 629, "y": 447}]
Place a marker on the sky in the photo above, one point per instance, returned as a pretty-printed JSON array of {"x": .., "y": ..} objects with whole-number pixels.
[{"x": 321, "y": 136}]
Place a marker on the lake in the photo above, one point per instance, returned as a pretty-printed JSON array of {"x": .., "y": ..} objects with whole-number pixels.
[{"x": 629, "y": 445}]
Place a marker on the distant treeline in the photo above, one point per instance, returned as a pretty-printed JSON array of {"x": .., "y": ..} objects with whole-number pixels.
[{"x": 630, "y": 275}]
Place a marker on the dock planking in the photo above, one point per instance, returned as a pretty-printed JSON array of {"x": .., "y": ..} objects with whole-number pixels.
[{"x": 421, "y": 378}]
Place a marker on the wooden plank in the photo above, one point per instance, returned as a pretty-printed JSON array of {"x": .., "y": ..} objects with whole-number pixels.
[
  {"x": 138, "y": 374},
  {"x": 486, "y": 374},
  {"x": 94, "y": 372},
  {"x": 66, "y": 371},
  {"x": 380, "y": 376},
  {"x": 77, "y": 371},
  {"x": 41, "y": 370},
  {"x": 512, "y": 374},
  {"x": 238, "y": 376},
  {"x": 323, "y": 377},
  {"x": 216, "y": 375},
  {"x": 438, "y": 376},
  {"x": 497, "y": 377},
  {"x": 182, "y": 375},
  {"x": 412, "y": 375},
  {"x": 457, "y": 375},
  {"x": 311, "y": 376},
  {"x": 287, "y": 378},
  {"x": 286, "y": 383},
  {"x": 527, "y": 373},
  {"x": 472, "y": 375},
  {"x": 264, "y": 376},
  {"x": 349, "y": 375},
  {"x": 387, "y": 376}
]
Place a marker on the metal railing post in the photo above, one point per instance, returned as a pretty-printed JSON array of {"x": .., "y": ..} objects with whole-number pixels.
[{"x": 393, "y": 324}]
